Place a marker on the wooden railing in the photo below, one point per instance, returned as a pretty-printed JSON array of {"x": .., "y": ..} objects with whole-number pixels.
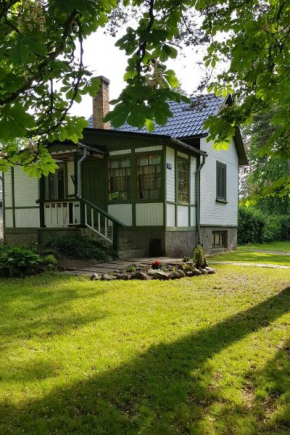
[
  {"x": 61, "y": 214},
  {"x": 102, "y": 223}
]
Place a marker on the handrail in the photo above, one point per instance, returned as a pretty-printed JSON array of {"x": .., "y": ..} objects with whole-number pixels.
[{"x": 101, "y": 211}]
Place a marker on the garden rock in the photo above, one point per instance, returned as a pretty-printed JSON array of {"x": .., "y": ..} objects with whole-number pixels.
[
  {"x": 210, "y": 270},
  {"x": 204, "y": 272},
  {"x": 189, "y": 273},
  {"x": 159, "y": 274},
  {"x": 196, "y": 272},
  {"x": 95, "y": 277},
  {"x": 107, "y": 277},
  {"x": 152, "y": 271},
  {"x": 176, "y": 274},
  {"x": 123, "y": 276},
  {"x": 140, "y": 275}
]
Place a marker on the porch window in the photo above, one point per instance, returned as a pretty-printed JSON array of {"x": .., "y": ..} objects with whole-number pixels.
[
  {"x": 221, "y": 182},
  {"x": 149, "y": 177},
  {"x": 219, "y": 239},
  {"x": 119, "y": 179},
  {"x": 182, "y": 179},
  {"x": 55, "y": 184}
]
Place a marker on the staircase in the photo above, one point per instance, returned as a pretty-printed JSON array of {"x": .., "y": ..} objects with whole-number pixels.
[{"x": 128, "y": 249}]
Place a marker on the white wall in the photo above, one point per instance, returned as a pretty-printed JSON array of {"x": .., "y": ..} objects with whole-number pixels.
[
  {"x": 212, "y": 212},
  {"x": 150, "y": 214},
  {"x": 26, "y": 192},
  {"x": 70, "y": 184},
  {"x": 123, "y": 212},
  {"x": 170, "y": 174},
  {"x": 7, "y": 189},
  {"x": 26, "y": 189}
]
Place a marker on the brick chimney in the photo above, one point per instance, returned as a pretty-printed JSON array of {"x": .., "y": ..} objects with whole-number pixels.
[{"x": 101, "y": 104}]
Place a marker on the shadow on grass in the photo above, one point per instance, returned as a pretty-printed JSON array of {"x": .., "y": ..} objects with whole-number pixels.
[
  {"x": 30, "y": 309},
  {"x": 163, "y": 391}
]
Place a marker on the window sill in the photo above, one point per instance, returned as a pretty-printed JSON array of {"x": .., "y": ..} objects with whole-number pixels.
[{"x": 221, "y": 201}]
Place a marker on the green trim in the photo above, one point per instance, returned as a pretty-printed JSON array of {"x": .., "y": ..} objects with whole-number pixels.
[
  {"x": 223, "y": 166},
  {"x": 218, "y": 226},
  {"x": 21, "y": 230},
  {"x": 181, "y": 229},
  {"x": 13, "y": 197},
  {"x": 23, "y": 208}
]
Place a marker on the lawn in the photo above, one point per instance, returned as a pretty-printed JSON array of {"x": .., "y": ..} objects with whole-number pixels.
[
  {"x": 206, "y": 355},
  {"x": 253, "y": 254},
  {"x": 271, "y": 246}
]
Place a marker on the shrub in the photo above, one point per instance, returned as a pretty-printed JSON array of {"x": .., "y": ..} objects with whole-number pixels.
[
  {"x": 17, "y": 260},
  {"x": 251, "y": 226},
  {"x": 198, "y": 257},
  {"x": 131, "y": 269},
  {"x": 277, "y": 227},
  {"x": 81, "y": 248}
]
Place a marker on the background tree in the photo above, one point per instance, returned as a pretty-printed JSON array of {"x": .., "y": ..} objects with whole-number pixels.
[{"x": 42, "y": 75}]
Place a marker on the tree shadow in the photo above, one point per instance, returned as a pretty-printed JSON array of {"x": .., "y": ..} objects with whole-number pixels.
[
  {"x": 39, "y": 312},
  {"x": 163, "y": 391}
]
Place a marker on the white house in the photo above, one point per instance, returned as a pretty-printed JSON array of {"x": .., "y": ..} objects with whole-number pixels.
[{"x": 146, "y": 194}]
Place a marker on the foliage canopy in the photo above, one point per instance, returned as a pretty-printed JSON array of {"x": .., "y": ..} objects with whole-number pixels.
[{"x": 42, "y": 74}]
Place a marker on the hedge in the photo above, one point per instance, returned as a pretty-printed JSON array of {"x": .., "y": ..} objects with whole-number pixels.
[{"x": 254, "y": 227}]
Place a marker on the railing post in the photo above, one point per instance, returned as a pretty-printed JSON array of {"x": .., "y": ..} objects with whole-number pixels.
[
  {"x": 82, "y": 213},
  {"x": 115, "y": 237}
]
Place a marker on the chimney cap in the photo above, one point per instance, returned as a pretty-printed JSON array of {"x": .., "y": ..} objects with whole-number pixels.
[{"x": 104, "y": 79}]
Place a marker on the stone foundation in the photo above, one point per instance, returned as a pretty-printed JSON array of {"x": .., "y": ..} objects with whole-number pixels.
[{"x": 206, "y": 239}]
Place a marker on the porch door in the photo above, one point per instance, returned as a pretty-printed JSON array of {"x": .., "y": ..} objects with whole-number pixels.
[{"x": 94, "y": 181}]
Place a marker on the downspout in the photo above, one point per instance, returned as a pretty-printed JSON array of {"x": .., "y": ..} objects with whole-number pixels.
[
  {"x": 79, "y": 173},
  {"x": 197, "y": 187}
]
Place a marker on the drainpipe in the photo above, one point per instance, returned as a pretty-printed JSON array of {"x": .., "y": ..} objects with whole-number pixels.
[
  {"x": 79, "y": 174},
  {"x": 197, "y": 186}
]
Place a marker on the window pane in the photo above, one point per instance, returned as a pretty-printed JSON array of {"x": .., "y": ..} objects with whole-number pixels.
[
  {"x": 119, "y": 179},
  {"x": 183, "y": 179},
  {"x": 155, "y": 160},
  {"x": 149, "y": 177}
]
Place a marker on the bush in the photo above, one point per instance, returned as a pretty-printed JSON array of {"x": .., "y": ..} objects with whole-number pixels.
[
  {"x": 250, "y": 227},
  {"x": 18, "y": 260},
  {"x": 81, "y": 248},
  {"x": 277, "y": 228},
  {"x": 257, "y": 228},
  {"x": 198, "y": 257}
]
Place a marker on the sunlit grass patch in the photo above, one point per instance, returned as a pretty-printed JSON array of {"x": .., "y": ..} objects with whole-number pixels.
[{"x": 206, "y": 355}]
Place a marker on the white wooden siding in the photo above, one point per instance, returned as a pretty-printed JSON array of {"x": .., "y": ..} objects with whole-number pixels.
[
  {"x": 149, "y": 214},
  {"x": 212, "y": 212},
  {"x": 170, "y": 215},
  {"x": 26, "y": 189},
  {"x": 123, "y": 212},
  {"x": 27, "y": 218},
  {"x": 8, "y": 219},
  {"x": 192, "y": 180},
  {"x": 145, "y": 149},
  {"x": 170, "y": 174},
  {"x": 7, "y": 189},
  {"x": 70, "y": 184},
  {"x": 182, "y": 216}
]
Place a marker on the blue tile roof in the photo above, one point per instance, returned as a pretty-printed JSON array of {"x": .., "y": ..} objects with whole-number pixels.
[{"x": 187, "y": 120}]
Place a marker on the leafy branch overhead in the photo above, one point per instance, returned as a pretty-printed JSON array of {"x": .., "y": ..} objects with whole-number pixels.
[{"x": 42, "y": 71}]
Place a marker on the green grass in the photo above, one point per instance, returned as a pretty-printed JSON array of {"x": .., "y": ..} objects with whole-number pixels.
[
  {"x": 272, "y": 246},
  {"x": 206, "y": 355},
  {"x": 249, "y": 254}
]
